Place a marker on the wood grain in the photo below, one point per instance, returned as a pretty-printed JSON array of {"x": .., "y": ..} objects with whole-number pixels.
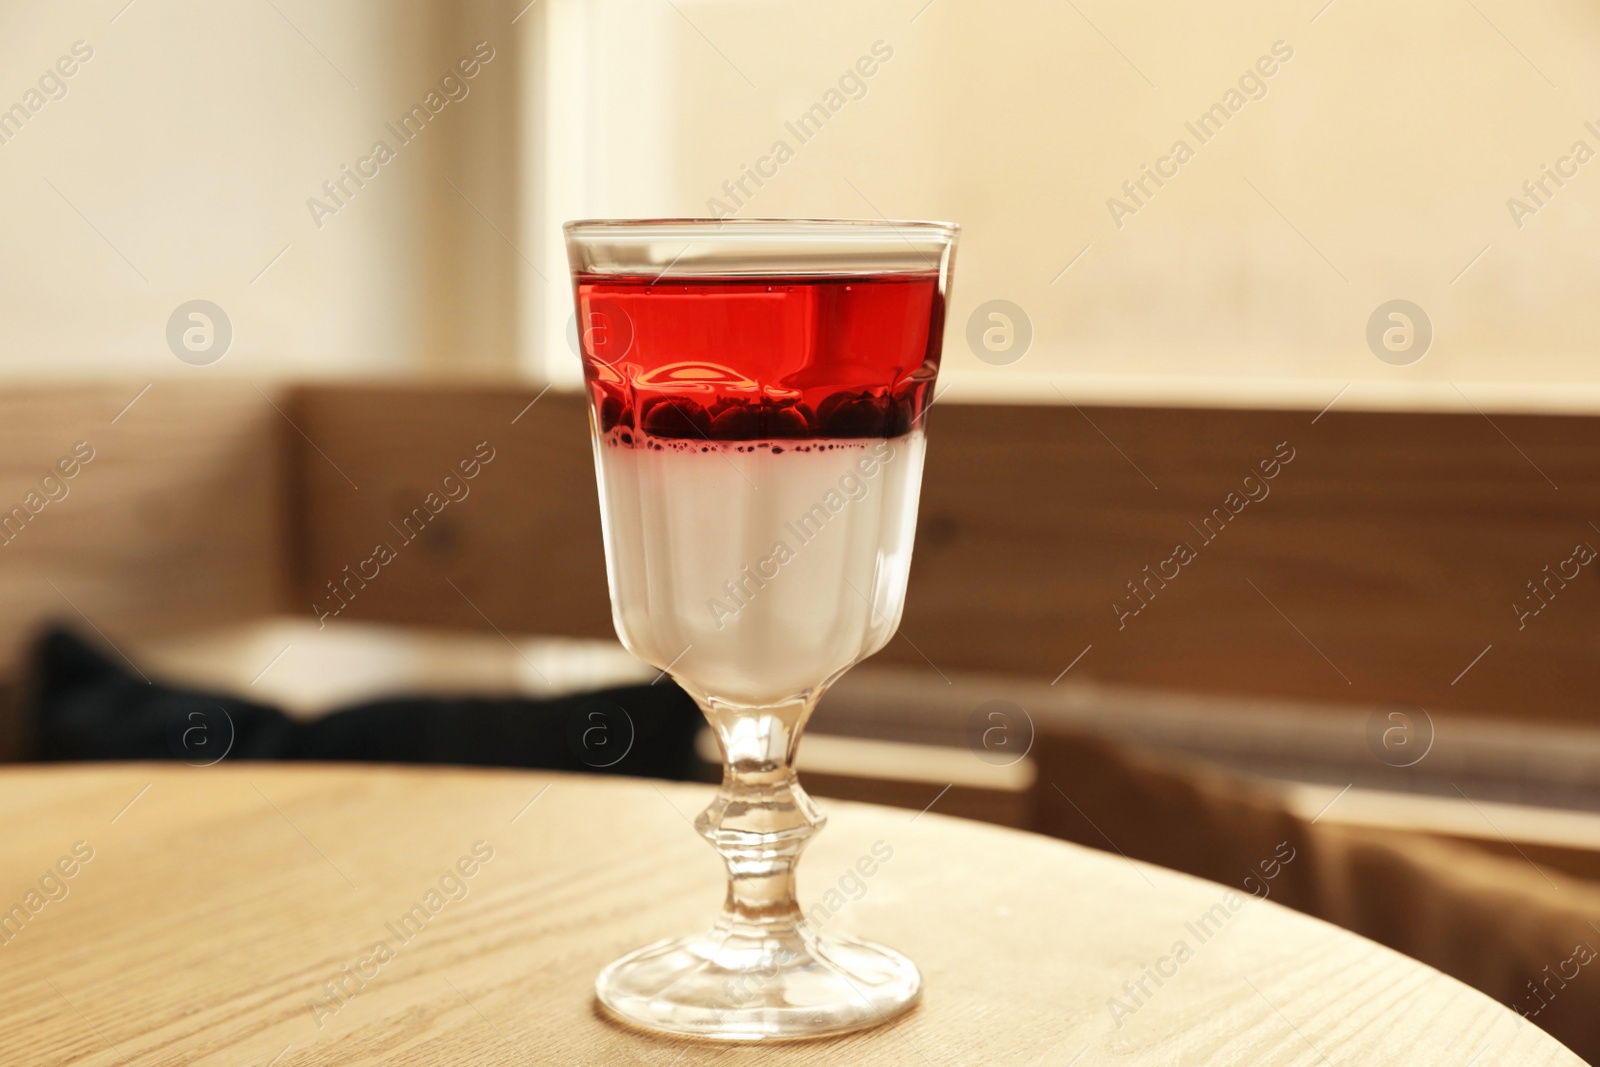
[
  {"x": 523, "y": 548},
  {"x": 1383, "y": 562},
  {"x": 220, "y": 901},
  {"x": 176, "y": 521}
]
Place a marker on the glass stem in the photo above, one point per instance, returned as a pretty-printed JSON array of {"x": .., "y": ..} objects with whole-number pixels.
[{"x": 760, "y": 822}]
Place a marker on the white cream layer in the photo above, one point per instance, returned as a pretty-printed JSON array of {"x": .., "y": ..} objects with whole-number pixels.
[{"x": 758, "y": 569}]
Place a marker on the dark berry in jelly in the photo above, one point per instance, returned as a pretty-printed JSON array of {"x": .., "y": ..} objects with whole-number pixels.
[
  {"x": 676, "y": 417},
  {"x": 852, "y": 416}
]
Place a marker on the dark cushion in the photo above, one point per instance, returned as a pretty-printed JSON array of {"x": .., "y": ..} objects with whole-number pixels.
[{"x": 84, "y": 705}]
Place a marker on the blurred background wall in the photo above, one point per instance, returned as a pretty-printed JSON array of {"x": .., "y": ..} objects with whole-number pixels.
[
  {"x": 1374, "y": 163},
  {"x": 1381, "y": 158},
  {"x": 177, "y": 162}
]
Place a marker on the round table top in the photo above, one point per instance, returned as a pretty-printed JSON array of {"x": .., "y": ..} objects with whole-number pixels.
[{"x": 259, "y": 914}]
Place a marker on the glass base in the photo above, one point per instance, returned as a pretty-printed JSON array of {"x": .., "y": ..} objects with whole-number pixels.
[{"x": 726, "y": 987}]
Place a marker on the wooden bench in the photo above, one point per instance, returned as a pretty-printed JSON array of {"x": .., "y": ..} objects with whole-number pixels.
[{"x": 1380, "y": 566}]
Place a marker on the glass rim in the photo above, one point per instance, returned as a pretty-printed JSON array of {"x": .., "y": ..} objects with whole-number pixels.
[{"x": 765, "y": 227}]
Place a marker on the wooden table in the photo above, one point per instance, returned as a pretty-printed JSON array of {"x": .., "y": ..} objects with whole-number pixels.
[{"x": 233, "y": 915}]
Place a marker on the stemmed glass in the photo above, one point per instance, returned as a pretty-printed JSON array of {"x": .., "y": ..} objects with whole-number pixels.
[{"x": 757, "y": 391}]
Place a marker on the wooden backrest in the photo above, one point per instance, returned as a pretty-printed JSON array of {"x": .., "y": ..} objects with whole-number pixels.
[
  {"x": 522, "y": 545},
  {"x": 1378, "y": 562},
  {"x": 172, "y": 516}
]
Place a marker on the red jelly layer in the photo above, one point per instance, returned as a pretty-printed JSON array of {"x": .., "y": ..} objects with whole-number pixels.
[{"x": 768, "y": 358}]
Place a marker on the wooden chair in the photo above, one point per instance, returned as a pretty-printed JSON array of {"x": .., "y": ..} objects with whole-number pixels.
[{"x": 1519, "y": 931}]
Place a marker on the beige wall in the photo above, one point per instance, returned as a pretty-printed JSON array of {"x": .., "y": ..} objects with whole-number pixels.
[
  {"x": 183, "y": 155},
  {"x": 1391, "y": 141},
  {"x": 1377, "y": 165}
]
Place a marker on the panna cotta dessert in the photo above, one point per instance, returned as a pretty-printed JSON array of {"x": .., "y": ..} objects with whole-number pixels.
[
  {"x": 759, "y": 447},
  {"x": 757, "y": 396}
]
